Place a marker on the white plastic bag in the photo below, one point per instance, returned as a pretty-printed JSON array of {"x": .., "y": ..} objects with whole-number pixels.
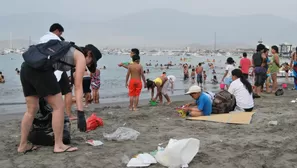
[
  {"x": 122, "y": 134},
  {"x": 142, "y": 160},
  {"x": 178, "y": 153}
]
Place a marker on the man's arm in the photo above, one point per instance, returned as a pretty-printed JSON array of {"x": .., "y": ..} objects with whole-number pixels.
[
  {"x": 143, "y": 77},
  {"x": 152, "y": 93},
  {"x": 78, "y": 78},
  {"x": 127, "y": 76}
]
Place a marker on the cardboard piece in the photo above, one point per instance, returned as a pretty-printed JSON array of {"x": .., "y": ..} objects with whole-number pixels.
[{"x": 229, "y": 118}]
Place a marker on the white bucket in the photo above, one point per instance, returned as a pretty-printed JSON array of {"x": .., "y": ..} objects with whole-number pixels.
[{"x": 178, "y": 153}]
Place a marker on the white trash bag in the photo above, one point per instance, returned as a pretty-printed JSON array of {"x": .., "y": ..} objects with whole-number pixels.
[
  {"x": 122, "y": 134},
  {"x": 178, "y": 153}
]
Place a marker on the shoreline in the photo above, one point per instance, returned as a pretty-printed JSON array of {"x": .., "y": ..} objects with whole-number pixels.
[{"x": 17, "y": 112}]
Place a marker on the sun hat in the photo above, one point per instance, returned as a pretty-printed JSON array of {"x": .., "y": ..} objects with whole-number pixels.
[{"x": 194, "y": 89}]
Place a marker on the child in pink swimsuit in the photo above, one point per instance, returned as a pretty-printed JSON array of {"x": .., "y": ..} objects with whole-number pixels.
[{"x": 95, "y": 84}]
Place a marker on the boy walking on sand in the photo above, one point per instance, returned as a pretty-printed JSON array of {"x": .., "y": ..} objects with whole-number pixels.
[{"x": 135, "y": 72}]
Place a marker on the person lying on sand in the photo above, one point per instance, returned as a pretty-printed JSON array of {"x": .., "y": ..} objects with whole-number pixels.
[
  {"x": 162, "y": 84},
  {"x": 135, "y": 73},
  {"x": 202, "y": 105}
]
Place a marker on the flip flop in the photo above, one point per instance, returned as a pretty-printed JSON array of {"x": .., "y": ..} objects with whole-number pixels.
[
  {"x": 66, "y": 150},
  {"x": 33, "y": 148}
]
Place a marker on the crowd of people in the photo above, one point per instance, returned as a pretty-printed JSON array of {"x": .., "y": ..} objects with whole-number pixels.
[{"x": 84, "y": 79}]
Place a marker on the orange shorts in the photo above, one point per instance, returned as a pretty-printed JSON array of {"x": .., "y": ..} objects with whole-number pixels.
[{"x": 135, "y": 86}]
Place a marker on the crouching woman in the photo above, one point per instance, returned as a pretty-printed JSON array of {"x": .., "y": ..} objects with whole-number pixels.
[{"x": 242, "y": 90}]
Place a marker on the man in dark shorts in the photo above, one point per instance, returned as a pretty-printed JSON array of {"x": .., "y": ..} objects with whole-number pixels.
[
  {"x": 259, "y": 62},
  {"x": 56, "y": 30}
]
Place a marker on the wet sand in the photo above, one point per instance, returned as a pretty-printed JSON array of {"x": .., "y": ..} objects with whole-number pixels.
[{"x": 222, "y": 145}]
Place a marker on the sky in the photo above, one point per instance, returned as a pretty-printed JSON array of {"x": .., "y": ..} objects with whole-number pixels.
[{"x": 107, "y": 9}]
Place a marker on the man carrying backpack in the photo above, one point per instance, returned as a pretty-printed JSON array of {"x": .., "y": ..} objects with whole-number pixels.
[
  {"x": 202, "y": 105},
  {"x": 38, "y": 80},
  {"x": 55, "y": 32}
]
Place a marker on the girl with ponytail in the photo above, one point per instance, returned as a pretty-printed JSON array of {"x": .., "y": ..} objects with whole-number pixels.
[{"x": 242, "y": 90}]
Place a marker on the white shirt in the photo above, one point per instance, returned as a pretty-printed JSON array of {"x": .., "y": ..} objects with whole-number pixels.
[
  {"x": 243, "y": 98},
  {"x": 229, "y": 68},
  {"x": 171, "y": 77},
  {"x": 47, "y": 37}
]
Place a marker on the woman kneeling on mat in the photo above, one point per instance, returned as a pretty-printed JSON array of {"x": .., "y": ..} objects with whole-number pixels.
[
  {"x": 242, "y": 90},
  {"x": 162, "y": 84}
]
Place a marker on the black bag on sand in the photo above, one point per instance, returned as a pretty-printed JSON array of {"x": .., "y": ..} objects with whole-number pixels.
[
  {"x": 279, "y": 92},
  {"x": 223, "y": 102},
  {"x": 42, "y": 132},
  {"x": 43, "y": 56}
]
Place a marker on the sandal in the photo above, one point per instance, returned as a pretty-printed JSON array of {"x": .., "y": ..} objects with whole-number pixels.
[{"x": 67, "y": 150}]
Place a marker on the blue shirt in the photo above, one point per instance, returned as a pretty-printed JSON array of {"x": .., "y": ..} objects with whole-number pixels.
[{"x": 204, "y": 104}]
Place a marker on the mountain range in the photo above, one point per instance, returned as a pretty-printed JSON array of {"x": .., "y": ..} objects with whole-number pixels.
[{"x": 156, "y": 27}]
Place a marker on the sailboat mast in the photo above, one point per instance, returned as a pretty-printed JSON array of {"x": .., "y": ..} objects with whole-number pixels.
[{"x": 215, "y": 41}]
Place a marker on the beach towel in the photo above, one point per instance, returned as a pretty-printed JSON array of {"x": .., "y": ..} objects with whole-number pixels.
[{"x": 228, "y": 118}]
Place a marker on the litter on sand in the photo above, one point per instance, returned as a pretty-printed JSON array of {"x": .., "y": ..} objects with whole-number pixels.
[
  {"x": 94, "y": 142},
  {"x": 142, "y": 160},
  {"x": 122, "y": 134}
]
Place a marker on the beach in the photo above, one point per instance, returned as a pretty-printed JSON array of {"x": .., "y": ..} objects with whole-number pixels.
[{"x": 221, "y": 145}]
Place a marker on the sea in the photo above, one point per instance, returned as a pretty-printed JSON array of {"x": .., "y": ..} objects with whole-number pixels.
[{"x": 113, "y": 77}]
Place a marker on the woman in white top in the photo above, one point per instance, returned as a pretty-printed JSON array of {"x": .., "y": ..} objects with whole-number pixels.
[
  {"x": 227, "y": 79},
  {"x": 242, "y": 90}
]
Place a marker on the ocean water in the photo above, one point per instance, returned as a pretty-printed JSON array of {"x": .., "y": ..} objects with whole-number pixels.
[{"x": 112, "y": 78}]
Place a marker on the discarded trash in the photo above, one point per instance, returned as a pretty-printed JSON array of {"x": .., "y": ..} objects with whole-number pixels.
[
  {"x": 125, "y": 159},
  {"x": 293, "y": 101},
  {"x": 93, "y": 122},
  {"x": 122, "y": 134},
  {"x": 142, "y": 160},
  {"x": 272, "y": 123},
  {"x": 178, "y": 153},
  {"x": 94, "y": 142}
]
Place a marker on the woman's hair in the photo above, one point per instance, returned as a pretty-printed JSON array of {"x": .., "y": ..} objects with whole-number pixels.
[
  {"x": 275, "y": 48},
  {"x": 238, "y": 74},
  {"x": 230, "y": 60},
  {"x": 149, "y": 84}
]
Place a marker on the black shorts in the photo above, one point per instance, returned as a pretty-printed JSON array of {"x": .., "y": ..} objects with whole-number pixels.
[
  {"x": 260, "y": 78},
  {"x": 186, "y": 76},
  {"x": 87, "y": 84},
  {"x": 65, "y": 84},
  {"x": 38, "y": 83},
  {"x": 246, "y": 76}
]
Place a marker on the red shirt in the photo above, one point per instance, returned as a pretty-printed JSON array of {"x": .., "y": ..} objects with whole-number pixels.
[{"x": 245, "y": 64}]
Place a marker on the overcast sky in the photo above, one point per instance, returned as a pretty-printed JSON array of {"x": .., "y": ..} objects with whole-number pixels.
[{"x": 113, "y": 8}]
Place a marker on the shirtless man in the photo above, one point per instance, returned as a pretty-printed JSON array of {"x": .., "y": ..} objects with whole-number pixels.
[
  {"x": 135, "y": 73},
  {"x": 199, "y": 70}
]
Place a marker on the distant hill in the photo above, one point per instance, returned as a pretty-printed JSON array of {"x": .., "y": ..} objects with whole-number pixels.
[{"x": 158, "y": 27}]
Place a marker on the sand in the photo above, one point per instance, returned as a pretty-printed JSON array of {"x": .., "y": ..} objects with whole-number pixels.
[{"x": 222, "y": 145}]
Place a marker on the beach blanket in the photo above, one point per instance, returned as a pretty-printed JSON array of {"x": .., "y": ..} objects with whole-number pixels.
[{"x": 229, "y": 118}]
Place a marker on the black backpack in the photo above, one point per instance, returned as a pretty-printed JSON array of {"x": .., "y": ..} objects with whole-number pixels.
[
  {"x": 223, "y": 102},
  {"x": 43, "y": 56},
  {"x": 41, "y": 132}
]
